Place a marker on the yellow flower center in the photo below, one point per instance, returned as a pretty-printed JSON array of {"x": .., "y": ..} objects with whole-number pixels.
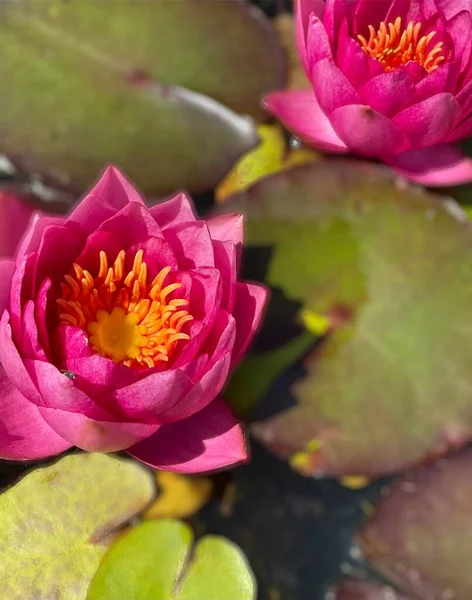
[
  {"x": 394, "y": 47},
  {"x": 126, "y": 318}
]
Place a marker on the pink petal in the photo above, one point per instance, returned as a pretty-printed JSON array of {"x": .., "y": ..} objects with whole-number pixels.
[
  {"x": 459, "y": 27},
  {"x": 462, "y": 131},
  {"x": 15, "y": 215},
  {"x": 389, "y": 92},
  {"x": 95, "y": 436},
  {"x": 209, "y": 440},
  {"x": 226, "y": 261},
  {"x": 368, "y": 132},
  {"x": 13, "y": 363},
  {"x": 332, "y": 88},
  {"x": 452, "y": 7},
  {"x": 227, "y": 228},
  {"x": 303, "y": 10},
  {"x": 429, "y": 122},
  {"x": 131, "y": 224},
  {"x": 443, "y": 79},
  {"x": 464, "y": 97},
  {"x": 154, "y": 398},
  {"x": 248, "y": 310},
  {"x": 30, "y": 345},
  {"x": 370, "y": 12},
  {"x": 353, "y": 61},
  {"x": 112, "y": 193},
  {"x": 7, "y": 268},
  {"x": 59, "y": 391},
  {"x": 318, "y": 46},
  {"x": 58, "y": 248},
  {"x": 436, "y": 167},
  {"x": 24, "y": 435},
  {"x": 177, "y": 210},
  {"x": 409, "y": 10},
  {"x": 335, "y": 12},
  {"x": 300, "y": 112},
  {"x": 34, "y": 232},
  {"x": 191, "y": 244},
  {"x": 203, "y": 289}
]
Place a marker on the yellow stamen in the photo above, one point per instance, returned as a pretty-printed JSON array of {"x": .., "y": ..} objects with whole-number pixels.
[
  {"x": 126, "y": 318},
  {"x": 394, "y": 48}
]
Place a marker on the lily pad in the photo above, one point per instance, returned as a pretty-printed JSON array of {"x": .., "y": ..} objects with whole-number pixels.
[
  {"x": 354, "y": 589},
  {"x": 420, "y": 536},
  {"x": 390, "y": 267},
  {"x": 152, "y": 561},
  {"x": 142, "y": 86},
  {"x": 57, "y": 522}
]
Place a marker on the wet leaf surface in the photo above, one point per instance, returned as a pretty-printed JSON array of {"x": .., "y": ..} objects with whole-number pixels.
[
  {"x": 82, "y": 89},
  {"x": 420, "y": 536},
  {"x": 153, "y": 561},
  {"x": 390, "y": 267},
  {"x": 57, "y": 522}
]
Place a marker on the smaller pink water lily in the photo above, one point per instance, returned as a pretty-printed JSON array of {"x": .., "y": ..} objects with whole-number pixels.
[
  {"x": 119, "y": 326},
  {"x": 392, "y": 80}
]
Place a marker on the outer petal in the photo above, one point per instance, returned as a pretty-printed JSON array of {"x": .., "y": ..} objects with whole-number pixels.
[
  {"x": 92, "y": 435},
  {"x": 368, "y": 132},
  {"x": 177, "y": 210},
  {"x": 24, "y": 435},
  {"x": 13, "y": 363},
  {"x": 227, "y": 228},
  {"x": 437, "y": 166},
  {"x": 7, "y": 268},
  {"x": 14, "y": 218},
  {"x": 112, "y": 193},
  {"x": 332, "y": 88},
  {"x": 248, "y": 311},
  {"x": 429, "y": 122},
  {"x": 304, "y": 8},
  {"x": 34, "y": 232},
  {"x": 209, "y": 440},
  {"x": 302, "y": 115}
]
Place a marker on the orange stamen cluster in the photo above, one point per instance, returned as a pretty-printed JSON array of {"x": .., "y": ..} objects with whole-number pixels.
[
  {"x": 394, "y": 48},
  {"x": 127, "y": 319}
]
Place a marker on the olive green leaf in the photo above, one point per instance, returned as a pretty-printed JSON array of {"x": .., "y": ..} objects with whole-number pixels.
[{"x": 57, "y": 522}]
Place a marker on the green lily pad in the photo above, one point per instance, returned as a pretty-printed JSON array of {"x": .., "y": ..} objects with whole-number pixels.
[
  {"x": 354, "y": 589},
  {"x": 420, "y": 536},
  {"x": 390, "y": 267},
  {"x": 57, "y": 522},
  {"x": 143, "y": 85},
  {"x": 152, "y": 561}
]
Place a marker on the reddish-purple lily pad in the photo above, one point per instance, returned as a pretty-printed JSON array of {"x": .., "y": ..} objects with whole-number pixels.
[
  {"x": 354, "y": 589},
  {"x": 140, "y": 84},
  {"x": 391, "y": 268},
  {"x": 420, "y": 536}
]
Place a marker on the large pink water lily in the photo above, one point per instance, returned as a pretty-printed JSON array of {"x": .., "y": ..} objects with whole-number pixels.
[
  {"x": 392, "y": 80},
  {"x": 119, "y": 326}
]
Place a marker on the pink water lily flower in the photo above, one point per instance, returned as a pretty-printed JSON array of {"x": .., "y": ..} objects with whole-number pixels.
[
  {"x": 392, "y": 80},
  {"x": 119, "y": 326}
]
